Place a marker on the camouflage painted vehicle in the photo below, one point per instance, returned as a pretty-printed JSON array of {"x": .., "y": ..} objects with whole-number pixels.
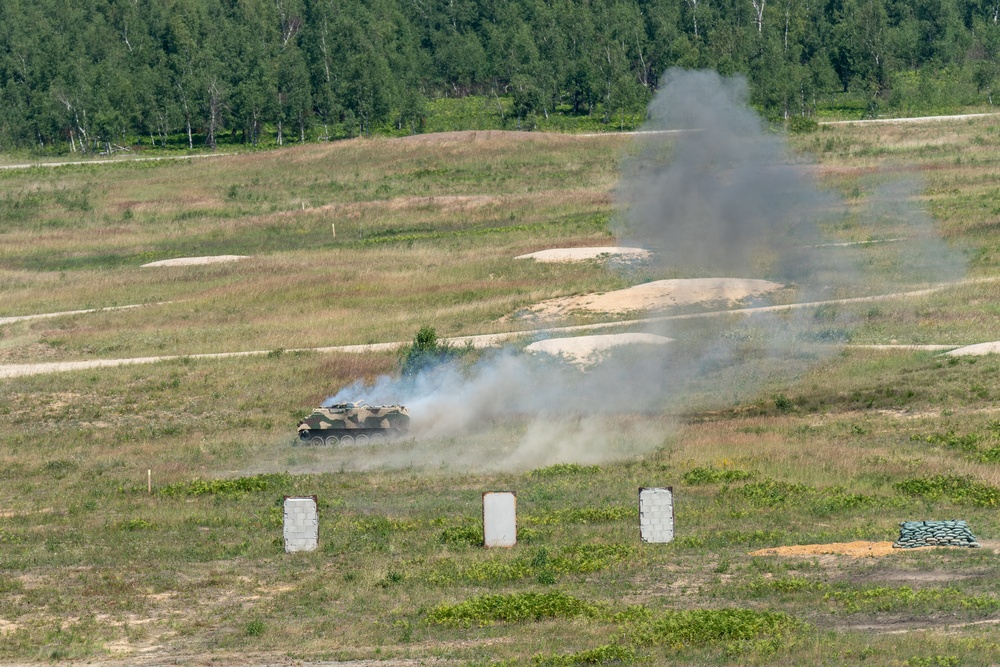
[{"x": 350, "y": 423}]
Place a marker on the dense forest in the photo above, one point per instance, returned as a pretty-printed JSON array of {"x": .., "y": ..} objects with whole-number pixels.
[{"x": 84, "y": 75}]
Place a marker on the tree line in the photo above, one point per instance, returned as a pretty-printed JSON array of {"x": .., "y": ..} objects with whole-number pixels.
[{"x": 93, "y": 73}]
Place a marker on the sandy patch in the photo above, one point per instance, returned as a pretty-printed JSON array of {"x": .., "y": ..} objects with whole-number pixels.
[
  {"x": 585, "y": 350},
  {"x": 976, "y": 350},
  {"x": 192, "y": 261},
  {"x": 852, "y": 549},
  {"x": 581, "y": 254},
  {"x": 659, "y": 295}
]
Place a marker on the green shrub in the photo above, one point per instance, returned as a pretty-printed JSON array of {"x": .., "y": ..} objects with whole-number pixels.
[
  {"x": 462, "y": 535},
  {"x": 782, "y": 402},
  {"x": 802, "y": 124},
  {"x": 425, "y": 353},
  {"x": 254, "y": 628}
]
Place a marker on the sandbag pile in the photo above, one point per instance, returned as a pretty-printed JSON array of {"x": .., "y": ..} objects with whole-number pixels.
[{"x": 914, "y": 534}]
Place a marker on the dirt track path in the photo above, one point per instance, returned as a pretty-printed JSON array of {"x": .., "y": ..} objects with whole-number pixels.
[
  {"x": 482, "y": 340},
  {"x": 32, "y": 165},
  {"x": 43, "y": 316}
]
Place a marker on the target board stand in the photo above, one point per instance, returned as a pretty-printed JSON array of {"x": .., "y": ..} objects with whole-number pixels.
[
  {"x": 301, "y": 524},
  {"x": 656, "y": 515},
  {"x": 499, "y": 519}
]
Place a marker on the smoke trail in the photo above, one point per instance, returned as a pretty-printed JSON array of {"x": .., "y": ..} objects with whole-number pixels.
[{"x": 714, "y": 193}]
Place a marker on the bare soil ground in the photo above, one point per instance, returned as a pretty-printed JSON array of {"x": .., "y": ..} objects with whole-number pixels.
[
  {"x": 858, "y": 549},
  {"x": 658, "y": 295},
  {"x": 195, "y": 261},
  {"x": 586, "y": 350},
  {"x": 976, "y": 350},
  {"x": 582, "y": 254}
]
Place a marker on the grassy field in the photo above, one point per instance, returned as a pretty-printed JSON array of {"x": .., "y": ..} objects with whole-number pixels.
[{"x": 94, "y": 568}]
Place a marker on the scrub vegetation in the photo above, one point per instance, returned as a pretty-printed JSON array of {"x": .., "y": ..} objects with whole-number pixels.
[{"x": 95, "y": 567}]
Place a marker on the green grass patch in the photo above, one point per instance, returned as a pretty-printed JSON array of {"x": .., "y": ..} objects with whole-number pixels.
[
  {"x": 228, "y": 487},
  {"x": 961, "y": 490},
  {"x": 708, "y": 475},
  {"x": 581, "y": 515},
  {"x": 564, "y": 469},
  {"x": 606, "y": 654},
  {"x": 880, "y": 599},
  {"x": 513, "y": 608},
  {"x": 697, "y": 627},
  {"x": 543, "y": 564}
]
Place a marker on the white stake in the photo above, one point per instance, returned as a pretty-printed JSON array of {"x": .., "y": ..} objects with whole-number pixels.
[{"x": 149, "y": 480}]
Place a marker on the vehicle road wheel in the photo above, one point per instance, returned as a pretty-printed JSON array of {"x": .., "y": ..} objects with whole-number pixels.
[
  {"x": 332, "y": 441},
  {"x": 361, "y": 439},
  {"x": 347, "y": 440},
  {"x": 378, "y": 439},
  {"x": 316, "y": 440}
]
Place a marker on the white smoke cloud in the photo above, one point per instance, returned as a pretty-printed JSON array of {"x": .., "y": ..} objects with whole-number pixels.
[{"x": 718, "y": 194}]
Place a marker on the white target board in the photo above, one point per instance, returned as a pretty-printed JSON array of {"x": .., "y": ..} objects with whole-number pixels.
[
  {"x": 656, "y": 515},
  {"x": 499, "y": 519},
  {"x": 301, "y": 524}
]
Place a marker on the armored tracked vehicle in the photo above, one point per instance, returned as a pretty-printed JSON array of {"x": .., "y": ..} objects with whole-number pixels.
[{"x": 350, "y": 423}]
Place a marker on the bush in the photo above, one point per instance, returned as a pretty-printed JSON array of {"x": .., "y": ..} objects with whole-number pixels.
[
  {"x": 802, "y": 124},
  {"x": 425, "y": 353},
  {"x": 462, "y": 535}
]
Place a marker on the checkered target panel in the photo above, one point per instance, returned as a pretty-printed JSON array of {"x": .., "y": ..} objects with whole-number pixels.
[
  {"x": 656, "y": 515},
  {"x": 301, "y": 524}
]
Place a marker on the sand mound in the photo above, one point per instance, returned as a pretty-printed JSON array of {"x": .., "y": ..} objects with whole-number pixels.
[
  {"x": 191, "y": 261},
  {"x": 585, "y": 350},
  {"x": 659, "y": 295},
  {"x": 976, "y": 350},
  {"x": 581, "y": 254},
  {"x": 852, "y": 549}
]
